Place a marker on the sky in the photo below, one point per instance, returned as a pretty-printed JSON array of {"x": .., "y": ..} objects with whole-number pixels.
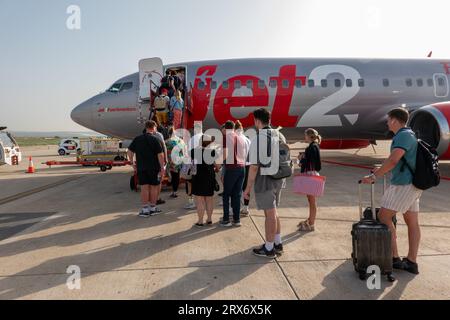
[{"x": 46, "y": 69}]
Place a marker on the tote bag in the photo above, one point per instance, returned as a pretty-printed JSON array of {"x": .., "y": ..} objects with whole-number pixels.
[{"x": 309, "y": 184}]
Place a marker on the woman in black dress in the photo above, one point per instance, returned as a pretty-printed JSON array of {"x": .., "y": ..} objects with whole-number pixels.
[
  {"x": 310, "y": 164},
  {"x": 204, "y": 181}
]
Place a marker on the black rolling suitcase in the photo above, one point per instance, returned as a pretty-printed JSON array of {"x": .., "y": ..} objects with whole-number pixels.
[
  {"x": 367, "y": 214},
  {"x": 371, "y": 242}
]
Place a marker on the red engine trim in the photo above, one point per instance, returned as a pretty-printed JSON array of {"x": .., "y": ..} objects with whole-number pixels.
[{"x": 344, "y": 144}]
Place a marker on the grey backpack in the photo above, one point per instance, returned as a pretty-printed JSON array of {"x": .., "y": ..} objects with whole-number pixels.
[{"x": 285, "y": 166}]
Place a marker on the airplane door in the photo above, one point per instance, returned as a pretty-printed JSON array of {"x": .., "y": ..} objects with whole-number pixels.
[
  {"x": 441, "y": 87},
  {"x": 150, "y": 75}
]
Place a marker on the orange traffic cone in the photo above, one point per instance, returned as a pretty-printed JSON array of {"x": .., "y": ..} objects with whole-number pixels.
[{"x": 30, "y": 166}]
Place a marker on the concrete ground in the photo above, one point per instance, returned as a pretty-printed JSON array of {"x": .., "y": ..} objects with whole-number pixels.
[{"x": 67, "y": 216}]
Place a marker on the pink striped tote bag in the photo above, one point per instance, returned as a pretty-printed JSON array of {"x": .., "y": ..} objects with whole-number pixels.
[{"x": 310, "y": 183}]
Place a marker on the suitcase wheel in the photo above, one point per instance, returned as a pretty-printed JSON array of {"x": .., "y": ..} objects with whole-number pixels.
[
  {"x": 363, "y": 275},
  {"x": 390, "y": 277}
]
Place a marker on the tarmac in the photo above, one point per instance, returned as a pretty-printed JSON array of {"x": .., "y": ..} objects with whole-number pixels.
[{"x": 67, "y": 215}]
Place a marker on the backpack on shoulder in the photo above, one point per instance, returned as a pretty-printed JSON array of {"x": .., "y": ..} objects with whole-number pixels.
[
  {"x": 285, "y": 165},
  {"x": 160, "y": 103},
  {"x": 427, "y": 173}
]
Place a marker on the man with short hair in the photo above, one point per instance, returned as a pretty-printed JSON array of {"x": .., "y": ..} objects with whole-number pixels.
[
  {"x": 401, "y": 196},
  {"x": 267, "y": 190},
  {"x": 234, "y": 157},
  {"x": 149, "y": 166}
]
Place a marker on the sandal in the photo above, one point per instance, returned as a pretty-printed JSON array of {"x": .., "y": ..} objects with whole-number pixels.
[
  {"x": 199, "y": 225},
  {"x": 305, "y": 226},
  {"x": 209, "y": 222}
]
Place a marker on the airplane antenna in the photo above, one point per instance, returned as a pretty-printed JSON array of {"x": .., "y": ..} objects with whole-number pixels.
[{"x": 429, "y": 55}]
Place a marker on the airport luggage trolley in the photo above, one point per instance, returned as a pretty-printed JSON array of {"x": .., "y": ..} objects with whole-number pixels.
[{"x": 103, "y": 165}]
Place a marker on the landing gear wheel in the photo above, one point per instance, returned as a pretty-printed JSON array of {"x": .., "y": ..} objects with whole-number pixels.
[
  {"x": 61, "y": 152},
  {"x": 103, "y": 168},
  {"x": 108, "y": 167},
  {"x": 362, "y": 276},
  {"x": 390, "y": 277}
]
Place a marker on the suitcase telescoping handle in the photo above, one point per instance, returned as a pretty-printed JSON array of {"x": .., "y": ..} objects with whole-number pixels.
[
  {"x": 384, "y": 178},
  {"x": 372, "y": 200}
]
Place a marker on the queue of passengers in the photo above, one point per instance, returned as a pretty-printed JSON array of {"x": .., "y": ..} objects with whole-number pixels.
[{"x": 242, "y": 176}]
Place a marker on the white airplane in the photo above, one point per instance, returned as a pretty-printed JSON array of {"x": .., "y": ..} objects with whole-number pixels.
[{"x": 346, "y": 100}]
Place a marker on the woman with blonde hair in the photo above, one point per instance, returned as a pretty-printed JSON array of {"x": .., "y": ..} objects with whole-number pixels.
[
  {"x": 310, "y": 164},
  {"x": 177, "y": 106}
]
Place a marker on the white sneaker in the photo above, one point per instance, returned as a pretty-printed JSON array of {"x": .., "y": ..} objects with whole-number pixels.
[
  {"x": 144, "y": 213},
  {"x": 190, "y": 206},
  {"x": 244, "y": 212}
]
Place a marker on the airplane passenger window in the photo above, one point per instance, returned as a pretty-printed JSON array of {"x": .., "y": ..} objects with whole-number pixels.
[
  {"x": 408, "y": 82},
  {"x": 127, "y": 86},
  {"x": 324, "y": 83},
  {"x": 249, "y": 84},
  {"x": 361, "y": 83},
  {"x": 273, "y": 83},
  {"x": 386, "y": 82},
  {"x": 213, "y": 85},
  {"x": 419, "y": 82},
  {"x": 298, "y": 83},
  {"x": 115, "y": 87},
  {"x": 337, "y": 83},
  {"x": 285, "y": 84},
  {"x": 237, "y": 84},
  {"x": 430, "y": 82},
  {"x": 201, "y": 85},
  {"x": 225, "y": 85},
  {"x": 310, "y": 83},
  {"x": 349, "y": 82},
  {"x": 261, "y": 84}
]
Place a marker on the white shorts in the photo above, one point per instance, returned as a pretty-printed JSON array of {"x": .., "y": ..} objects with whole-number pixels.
[{"x": 401, "y": 198}]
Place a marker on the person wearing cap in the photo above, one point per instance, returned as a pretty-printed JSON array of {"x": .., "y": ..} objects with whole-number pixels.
[
  {"x": 204, "y": 181},
  {"x": 161, "y": 105}
]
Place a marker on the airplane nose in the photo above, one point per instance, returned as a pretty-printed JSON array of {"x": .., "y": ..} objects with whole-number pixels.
[{"x": 82, "y": 114}]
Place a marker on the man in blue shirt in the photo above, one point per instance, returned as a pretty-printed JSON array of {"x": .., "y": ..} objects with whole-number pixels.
[{"x": 401, "y": 196}]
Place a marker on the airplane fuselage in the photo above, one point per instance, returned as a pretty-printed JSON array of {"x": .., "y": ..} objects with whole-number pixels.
[{"x": 342, "y": 98}]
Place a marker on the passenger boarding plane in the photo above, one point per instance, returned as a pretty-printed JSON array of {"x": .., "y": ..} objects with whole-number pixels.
[{"x": 345, "y": 99}]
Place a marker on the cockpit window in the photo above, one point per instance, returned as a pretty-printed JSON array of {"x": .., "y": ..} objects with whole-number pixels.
[
  {"x": 115, "y": 87},
  {"x": 7, "y": 140},
  {"x": 127, "y": 86}
]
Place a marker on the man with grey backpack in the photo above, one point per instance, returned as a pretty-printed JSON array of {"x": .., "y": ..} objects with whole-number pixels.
[{"x": 270, "y": 164}]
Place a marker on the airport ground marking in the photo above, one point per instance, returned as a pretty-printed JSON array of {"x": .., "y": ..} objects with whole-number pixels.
[
  {"x": 276, "y": 261},
  {"x": 37, "y": 190}
]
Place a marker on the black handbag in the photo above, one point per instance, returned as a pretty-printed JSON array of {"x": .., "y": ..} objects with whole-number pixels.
[{"x": 216, "y": 185}]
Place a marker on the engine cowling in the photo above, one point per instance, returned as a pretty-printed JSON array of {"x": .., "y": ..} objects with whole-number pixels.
[
  {"x": 431, "y": 124},
  {"x": 344, "y": 144}
]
